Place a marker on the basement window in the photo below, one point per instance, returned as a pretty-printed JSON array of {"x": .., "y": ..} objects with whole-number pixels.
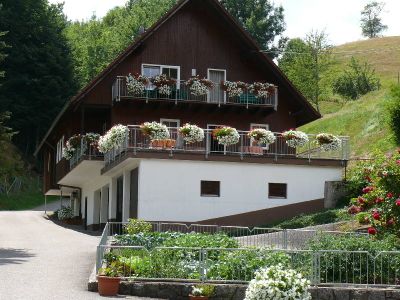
[
  {"x": 277, "y": 190},
  {"x": 209, "y": 188}
]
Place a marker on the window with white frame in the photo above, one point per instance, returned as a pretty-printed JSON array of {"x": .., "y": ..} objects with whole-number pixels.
[
  {"x": 263, "y": 126},
  {"x": 60, "y": 147},
  {"x": 151, "y": 70}
]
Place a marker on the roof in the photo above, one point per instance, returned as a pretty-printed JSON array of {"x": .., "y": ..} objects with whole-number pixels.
[{"x": 311, "y": 112}]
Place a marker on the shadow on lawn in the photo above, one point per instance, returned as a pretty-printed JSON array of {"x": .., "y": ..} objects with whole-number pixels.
[{"x": 14, "y": 256}]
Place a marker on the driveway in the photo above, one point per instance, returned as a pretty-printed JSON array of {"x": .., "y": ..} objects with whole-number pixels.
[{"x": 41, "y": 260}]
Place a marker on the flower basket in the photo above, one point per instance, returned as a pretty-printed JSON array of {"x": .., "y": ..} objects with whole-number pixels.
[
  {"x": 191, "y": 133},
  {"x": 262, "y": 90},
  {"x": 115, "y": 137},
  {"x": 328, "y": 142},
  {"x": 226, "y": 135},
  {"x": 136, "y": 84},
  {"x": 234, "y": 88},
  {"x": 199, "y": 87},
  {"x": 262, "y": 136},
  {"x": 155, "y": 130},
  {"x": 295, "y": 138},
  {"x": 163, "y": 84},
  {"x": 74, "y": 143}
]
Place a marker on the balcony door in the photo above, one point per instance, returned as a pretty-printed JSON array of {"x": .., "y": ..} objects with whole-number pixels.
[
  {"x": 173, "y": 125},
  {"x": 212, "y": 144},
  {"x": 217, "y": 94}
]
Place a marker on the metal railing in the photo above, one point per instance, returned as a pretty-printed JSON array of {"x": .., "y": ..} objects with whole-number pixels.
[
  {"x": 85, "y": 150},
  {"x": 137, "y": 141},
  {"x": 321, "y": 267},
  {"x": 182, "y": 92}
]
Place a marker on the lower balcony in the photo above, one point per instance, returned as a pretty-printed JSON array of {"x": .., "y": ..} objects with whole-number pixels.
[{"x": 138, "y": 145}]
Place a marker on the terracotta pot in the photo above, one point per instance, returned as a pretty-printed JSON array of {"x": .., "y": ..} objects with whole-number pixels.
[
  {"x": 108, "y": 286},
  {"x": 157, "y": 143},
  {"x": 197, "y": 297},
  {"x": 170, "y": 143}
]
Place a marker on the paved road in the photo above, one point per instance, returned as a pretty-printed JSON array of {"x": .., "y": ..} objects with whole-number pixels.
[{"x": 40, "y": 260}]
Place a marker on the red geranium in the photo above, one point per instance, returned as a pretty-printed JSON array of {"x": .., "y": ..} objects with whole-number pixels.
[
  {"x": 389, "y": 195},
  {"x": 354, "y": 209},
  {"x": 367, "y": 189},
  {"x": 372, "y": 230},
  {"x": 376, "y": 216},
  {"x": 398, "y": 202},
  {"x": 379, "y": 200}
]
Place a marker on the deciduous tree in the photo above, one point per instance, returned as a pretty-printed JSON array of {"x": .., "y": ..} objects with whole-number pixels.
[{"x": 371, "y": 21}]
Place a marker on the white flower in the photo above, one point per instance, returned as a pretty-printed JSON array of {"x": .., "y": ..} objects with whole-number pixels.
[
  {"x": 234, "y": 89},
  {"x": 260, "y": 89},
  {"x": 295, "y": 138},
  {"x": 113, "y": 138},
  {"x": 164, "y": 90},
  {"x": 136, "y": 84},
  {"x": 262, "y": 136},
  {"x": 226, "y": 136},
  {"x": 191, "y": 133},
  {"x": 328, "y": 142},
  {"x": 155, "y": 130}
]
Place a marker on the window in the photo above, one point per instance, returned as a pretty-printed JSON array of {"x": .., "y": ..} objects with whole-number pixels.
[
  {"x": 60, "y": 147},
  {"x": 209, "y": 188},
  {"x": 150, "y": 70},
  {"x": 277, "y": 190}
]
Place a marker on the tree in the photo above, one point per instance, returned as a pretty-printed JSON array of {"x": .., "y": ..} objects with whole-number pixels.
[
  {"x": 394, "y": 112},
  {"x": 371, "y": 22},
  {"x": 306, "y": 63},
  {"x": 38, "y": 68},
  {"x": 264, "y": 21},
  {"x": 357, "y": 80}
]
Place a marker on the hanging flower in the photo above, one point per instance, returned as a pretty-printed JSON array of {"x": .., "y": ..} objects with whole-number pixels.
[
  {"x": 199, "y": 87},
  {"x": 328, "y": 142},
  {"x": 113, "y": 138},
  {"x": 234, "y": 88},
  {"x": 163, "y": 84},
  {"x": 191, "y": 133},
  {"x": 74, "y": 143},
  {"x": 262, "y": 89},
  {"x": 155, "y": 130},
  {"x": 136, "y": 83},
  {"x": 295, "y": 138},
  {"x": 262, "y": 136},
  {"x": 226, "y": 135}
]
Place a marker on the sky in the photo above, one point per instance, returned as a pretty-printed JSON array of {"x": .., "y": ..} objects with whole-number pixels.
[{"x": 339, "y": 18}]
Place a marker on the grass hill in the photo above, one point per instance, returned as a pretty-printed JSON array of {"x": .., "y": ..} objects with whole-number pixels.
[{"x": 365, "y": 119}]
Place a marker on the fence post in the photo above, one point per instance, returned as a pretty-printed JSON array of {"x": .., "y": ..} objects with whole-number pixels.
[
  {"x": 315, "y": 280},
  {"x": 203, "y": 266},
  {"x": 241, "y": 146},
  {"x": 285, "y": 239}
]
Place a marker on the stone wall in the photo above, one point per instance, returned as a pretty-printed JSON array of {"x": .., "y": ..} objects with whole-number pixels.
[
  {"x": 334, "y": 191},
  {"x": 180, "y": 291}
]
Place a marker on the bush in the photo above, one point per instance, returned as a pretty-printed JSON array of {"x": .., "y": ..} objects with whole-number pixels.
[
  {"x": 356, "y": 81},
  {"x": 202, "y": 240},
  {"x": 277, "y": 282},
  {"x": 65, "y": 213},
  {"x": 149, "y": 240},
  {"x": 135, "y": 226},
  {"x": 394, "y": 113}
]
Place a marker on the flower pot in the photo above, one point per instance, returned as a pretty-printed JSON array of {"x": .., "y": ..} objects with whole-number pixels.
[
  {"x": 108, "y": 286},
  {"x": 170, "y": 143},
  {"x": 157, "y": 144},
  {"x": 198, "y": 297}
]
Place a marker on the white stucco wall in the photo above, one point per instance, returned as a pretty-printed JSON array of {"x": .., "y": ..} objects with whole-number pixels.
[{"x": 169, "y": 190}]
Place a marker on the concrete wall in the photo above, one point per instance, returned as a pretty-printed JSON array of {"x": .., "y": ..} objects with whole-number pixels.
[{"x": 169, "y": 190}]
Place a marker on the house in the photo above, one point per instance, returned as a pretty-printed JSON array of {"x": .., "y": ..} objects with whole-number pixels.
[{"x": 242, "y": 184}]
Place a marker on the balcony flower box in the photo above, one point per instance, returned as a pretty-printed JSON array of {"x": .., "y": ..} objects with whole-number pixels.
[
  {"x": 155, "y": 130},
  {"x": 257, "y": 150},
  {"x": 199, "y": 86},
  {"x": 191, "y": 133},
  {"x": 163, "y": 144},
  {"x": 295, "y": 138},
  {"x": 136, "y": 84},
  {"x": 328, "y": 142},
  {"x": 164, "y": 84},
  {"x": 226, "y": 135}
]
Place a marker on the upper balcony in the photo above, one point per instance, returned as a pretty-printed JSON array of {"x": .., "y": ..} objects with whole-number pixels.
[
  {"x": 139, "y": 145},
  {"x": 182, "y": 93}
]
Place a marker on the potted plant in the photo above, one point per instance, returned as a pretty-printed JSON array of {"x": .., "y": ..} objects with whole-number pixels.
[
  {"x": 163, "y": 84},
  {"x": 136, "y": 83},
  {"x": 262, "y": 136},
  {"x": 262, "y": 89},
  {"x": 157, "y": 132},
  {"x": 295, "y": 138},
  {"x": 199, "y": 86},
  {"x": 202, "y": 292},
  {"x": 226, "y": 135},
  {"x": 328, "y": 142},
  {"x": 115, "y": 137},
  {"x": 234, "y": 88},
  {"x": 191, "y": 133},
  {"x": 109, "y": 279}
]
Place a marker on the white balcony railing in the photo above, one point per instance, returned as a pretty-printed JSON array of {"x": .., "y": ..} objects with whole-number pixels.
[
  {"x": 138, "y": 142},
  {"x": 182, "y": 93}
]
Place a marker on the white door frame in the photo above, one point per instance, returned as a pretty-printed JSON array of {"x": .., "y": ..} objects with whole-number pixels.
[
  {"x": 166, "y": 66},
  {"x": 178, "y": 124},
  {"x": 210, "y": 135},
  {"x": 208, "y": 77}
]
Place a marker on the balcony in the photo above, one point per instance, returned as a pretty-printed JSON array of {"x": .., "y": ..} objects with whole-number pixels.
[
  {"x": 182, "y": 93},
  {"x": 139, "y": 145}
]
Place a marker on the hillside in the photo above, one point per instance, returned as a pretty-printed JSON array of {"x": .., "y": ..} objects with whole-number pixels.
[{"x": 364, "y": 120}]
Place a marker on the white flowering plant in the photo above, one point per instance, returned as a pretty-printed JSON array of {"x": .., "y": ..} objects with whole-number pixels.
[
  {"x": 65, "y": 212},
  {"x": 136, "y": 83},
  {"x": 262, "y": 136},
  {"x": 226, "y": 135},
  {"x": 199, "y": 86},
  {"x": 163, "y": 84},
  {"x": 262, "y": 89},
  {"x": 115, "y": 137},
  {"x": 278, "y": 283},
  {"x": 74, "y": 143},
  {"x": 191, "y": 133},
  {"x": 328, "y": 142},
  {"x": 202, "y": 290},
  {"x": 295, "y": 138},
  {"x": 234, "y": 88},
  {"x": 155, "y": 130}
]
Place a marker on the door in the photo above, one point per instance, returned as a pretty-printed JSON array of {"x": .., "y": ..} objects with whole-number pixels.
[
  {"x": 212, "y": 144},
  {"x": 133, "y": 207},
  {"x": 120, "y": 184},
  {"x": 173, "y": 125},
  {"x": 216, "y": 94}
]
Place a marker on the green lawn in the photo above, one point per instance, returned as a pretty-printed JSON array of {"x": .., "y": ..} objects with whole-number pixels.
[{"x": 23, "y": 201}]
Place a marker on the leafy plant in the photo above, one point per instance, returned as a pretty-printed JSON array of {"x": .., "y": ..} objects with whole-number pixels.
[
  {"x": 114, "y": 269},
  {"x": 205, "y": 290},
  {"x": 394, "y": 112},
  {"x": 65, "y": 212},
  {"x": 136, "y": 226}
]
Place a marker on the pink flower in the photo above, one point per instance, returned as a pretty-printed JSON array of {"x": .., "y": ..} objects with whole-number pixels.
[
  {"x": 379, "y": 200},
  {"x": 372, "y": 230},
  {"x": 367, "y": 189},
  {"x": 390, "y": 222},
  {"x": 376, "y": 216},
  {"x": 398, "y": 202},
  {"x": 361, "y": 200},
  {"x": 398, "y": 162},
  {"x": 353, "y": 210},
  {"x": 389, "y": 195}
]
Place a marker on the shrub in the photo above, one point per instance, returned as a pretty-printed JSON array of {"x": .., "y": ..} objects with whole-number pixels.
[
  {"x": 65, "y": 213},
  {"x": 394, "y": 113},
  {"x": 278, "y": 283},
  {"x": 356, "y": 81},
  {"x": 202, "y": 240},
  {"x": 135, "y": 226},
  {"x": 149, "y": 240}
]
